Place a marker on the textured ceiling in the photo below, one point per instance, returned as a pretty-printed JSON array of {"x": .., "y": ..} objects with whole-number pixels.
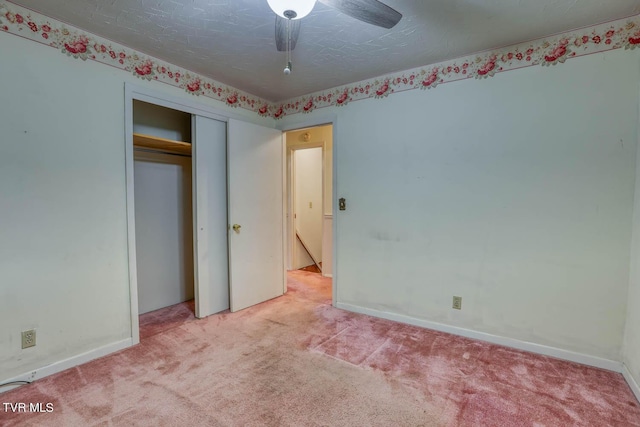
[{"x": 232, "y": 41}]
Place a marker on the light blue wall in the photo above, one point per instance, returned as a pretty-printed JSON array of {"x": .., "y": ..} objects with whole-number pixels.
[{"x": 514, "y": 192}]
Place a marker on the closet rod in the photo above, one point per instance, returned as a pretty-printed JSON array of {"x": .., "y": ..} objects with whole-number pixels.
[{"x": 149, "y": 150}]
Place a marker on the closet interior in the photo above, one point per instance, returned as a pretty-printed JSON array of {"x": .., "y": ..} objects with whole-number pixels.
[{"x": 163, "y": 206}]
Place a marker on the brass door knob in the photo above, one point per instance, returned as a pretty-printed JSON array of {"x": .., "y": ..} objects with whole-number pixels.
[{"x": 236, "y": 227}]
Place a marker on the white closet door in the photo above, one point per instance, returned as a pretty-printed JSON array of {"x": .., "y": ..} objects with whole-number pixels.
[
  {"x": 256, "y": 261},
  {"x": 209, "y": 154}
]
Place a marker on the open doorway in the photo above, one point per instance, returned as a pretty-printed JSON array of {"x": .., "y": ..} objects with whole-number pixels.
[
  {"x": 309, "y": 187},
  {"x": 180, "y": 215},
  {"x": 162, "y": 169},
  {"x": 308, "y": 215},
  {"x": 163, "y": 206}
]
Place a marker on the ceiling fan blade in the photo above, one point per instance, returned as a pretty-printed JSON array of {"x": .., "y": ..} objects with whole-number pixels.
[
  {"x": 370, "y": 11},
  {"x": 281, "y": 33}
]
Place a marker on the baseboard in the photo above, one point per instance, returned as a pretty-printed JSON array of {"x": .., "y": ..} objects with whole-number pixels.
[
  {"x": 328, "y": 275},
  {"x": 558, "y": 353},
  {"x": 633, "y": 384},
  {"x": 62, "y": 365}
]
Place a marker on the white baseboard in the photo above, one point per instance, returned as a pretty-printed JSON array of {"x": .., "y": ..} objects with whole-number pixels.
[
  {"x": 328, "y": 275},
  {"x": 558, "y": 353},
  {"x": 62, "y": 365},
  {"x": 633, "y": 384}
]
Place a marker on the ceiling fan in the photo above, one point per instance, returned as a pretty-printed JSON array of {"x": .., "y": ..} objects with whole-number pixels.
[{"x": 289, "y": 13}]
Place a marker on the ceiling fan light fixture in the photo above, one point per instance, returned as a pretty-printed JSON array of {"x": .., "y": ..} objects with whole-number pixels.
[{"x": 300, "y": 8}]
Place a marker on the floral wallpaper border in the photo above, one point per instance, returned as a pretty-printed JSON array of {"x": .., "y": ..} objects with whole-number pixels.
[
  {"x": 86, "y": 46},
  {"x": 620, "y": 34}
]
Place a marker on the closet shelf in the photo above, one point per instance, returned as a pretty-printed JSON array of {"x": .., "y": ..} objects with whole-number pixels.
[{"x": 162, "y": 144}]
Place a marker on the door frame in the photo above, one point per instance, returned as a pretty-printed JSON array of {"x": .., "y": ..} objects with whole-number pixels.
[
  {"x": 139, "y": 93},
  {"x": 318, "y": 119},
  {"x": 290, "y": 201}
]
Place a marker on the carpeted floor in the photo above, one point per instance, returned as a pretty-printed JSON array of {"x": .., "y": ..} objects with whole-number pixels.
[
  {"x": 312, "y": 268},
  {"x": 297, "y": 361}
]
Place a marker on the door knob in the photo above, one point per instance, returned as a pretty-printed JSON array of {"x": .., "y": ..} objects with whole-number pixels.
[{"x": 236, "y": 227}]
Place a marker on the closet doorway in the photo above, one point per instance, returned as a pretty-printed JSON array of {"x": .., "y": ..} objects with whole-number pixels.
[
  {"x": 163, "y": 206},
  {"x": 180, "y": 198},
  {"x": 238, "y": 260}
]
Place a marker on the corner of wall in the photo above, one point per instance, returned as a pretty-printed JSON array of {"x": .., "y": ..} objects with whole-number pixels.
[
  {"x": 633, "y": 382},
  {"x": 631, "y": 339}
]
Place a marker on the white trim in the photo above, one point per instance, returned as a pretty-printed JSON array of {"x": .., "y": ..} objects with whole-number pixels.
[
  {"x": 131, "y": 213},
  {"x": 634, "y": 275},
  {"x": 558, "y": 353},
  {"x": 334, "y": 211},
  {"x": 194, "y": 218},
  {"x": 285, "y": 245},
  {"x": 633, "y": 384},
  {"x": 70, "y": 362}
]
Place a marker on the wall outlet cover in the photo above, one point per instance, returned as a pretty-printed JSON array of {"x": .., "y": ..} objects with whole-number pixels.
[
  {"x": 28, "y": 338},
  {"x": 457, "y": 303}
]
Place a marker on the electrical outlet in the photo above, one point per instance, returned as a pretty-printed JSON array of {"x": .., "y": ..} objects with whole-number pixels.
[
  {"x": 28, "y": 338},
  {"x": 457, "y": 303}
]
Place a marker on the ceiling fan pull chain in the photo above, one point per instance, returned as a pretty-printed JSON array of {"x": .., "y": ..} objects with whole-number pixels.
[{"x": 287, "y": 69}]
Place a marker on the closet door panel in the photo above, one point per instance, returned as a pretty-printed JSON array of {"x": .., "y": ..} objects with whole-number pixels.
[{"x": 209, "y": 153}]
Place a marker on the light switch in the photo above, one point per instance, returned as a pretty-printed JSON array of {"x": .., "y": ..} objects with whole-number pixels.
[{"x": 310, "y": 205}]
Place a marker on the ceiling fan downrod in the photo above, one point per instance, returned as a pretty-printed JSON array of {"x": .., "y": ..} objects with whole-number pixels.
[{"x": 290, "y": 14}]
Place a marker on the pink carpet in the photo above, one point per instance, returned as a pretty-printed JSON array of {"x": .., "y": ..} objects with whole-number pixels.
[{"x": 297, "y": 361}]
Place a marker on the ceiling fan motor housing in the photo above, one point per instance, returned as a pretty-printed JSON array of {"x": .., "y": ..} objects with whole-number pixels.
[{"x": 292, "y": 9}]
